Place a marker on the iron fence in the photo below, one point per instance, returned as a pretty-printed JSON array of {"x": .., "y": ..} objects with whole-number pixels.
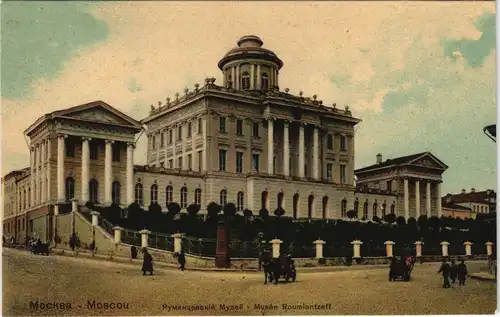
[
  {"x": 161, "y": 241},
  {"x": 106, "y": 225},
  {"x": 131, "y": 237},
  {"x": 199, "y": 246}
]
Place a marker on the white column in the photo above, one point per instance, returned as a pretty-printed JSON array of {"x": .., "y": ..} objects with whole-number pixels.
[
  {"x": 237, "y": 78},
  {"x": 48, "y": 170},
  {"x": 428, "y": 198},
  {"x": 118, "y": 234},
  {"x": 60, "y": 168},
  {"x": 37, "y": 176},
  {"x": 85, "y": 169},
  {"x": 438, "y": 200},
  {"x": 444, "y": 248},
  {"x": 177, "y": 242},
  {"x": 388, "y": 248},
  {"x": 270, "y": 145},
  {"x": 233, "y": 77},
  {"x": 95, "y": 218},
  {"x": 417, "y": 198},
  {"x": 286, "y": 148},
  {"x": 356, "y": 248},
  {"x": 301, "y": 151},
  {"x": 130, "y": 173},
  {"x": 259, "y": 84},
  {"x": 489, "y": 248},
  {"x": 406, "y": 199},
  {"x": 316, "y": 153},
  {"x": 276, "y": 247},
  {"x": 205, "y": 145},
  {"x": 468, "y": 248},
  {"x": 174, "y": 139},
  {"x": 144, "y": 238},
  {"x": 158, "y": 142},
  {"x": 418, "y": 248},
  {"x": 32, "y": 177},
  {"x": 319, "y": 248},
  {"x": 43, "y": 177},
  {"x": 252, "y": 76},
  {"x": 108, "y": 171}
]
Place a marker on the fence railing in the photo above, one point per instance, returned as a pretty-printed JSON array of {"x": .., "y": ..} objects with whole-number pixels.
[
  {"x": 161, "y": 241},
  {"x": 131, "y": 237},
  {"x": 199, "y": 246}
]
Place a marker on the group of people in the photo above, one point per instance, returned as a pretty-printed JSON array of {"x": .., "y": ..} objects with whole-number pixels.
[
  {"x": 147, "y": 262},
  {"x": 10, "y": 241},
  {"x": 453, "y": 271},
  {"x": 401, "y": 268}
]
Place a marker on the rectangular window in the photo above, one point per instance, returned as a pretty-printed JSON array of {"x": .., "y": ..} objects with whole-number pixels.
[
  {"x": 222, "y": 160},
  {"x": 342, "y": 174},
  {"x": 329, "y": 170},
  {"x": 274, "y": 164},
  {"x": 239, "y": 162},
  {"x": 255, "y": 162},
  {"x": 170, "y": 136},
  {"x": 94, "y": 150},
  {"x": 179, "y": 133},
  {"x": 70, "y": 148},
  {"x": 343, "y": 145},
  {"x": 200, "y": 126},
  {"x": 255, "y": 130},
  {"x": 171, "y": 163},
  {"x": 189, "y": 129},
  {"x": 190, "y": 161},
  {"x": 329, "y": 142},
  {"x": 153, "y": 142},
  {"x": 239, "y": 127},
  {"x": 162, "y": 164},
  {"x": 116, "y": 152},
  {"x": 162, "y": 139},
  {"x": 179, "y": 162},
  {"x": 200, "y": 160},
  {"x": 222, "y": 125},
  {"x": 389, "y": 186},
  {"x": 305, "y": 170}
]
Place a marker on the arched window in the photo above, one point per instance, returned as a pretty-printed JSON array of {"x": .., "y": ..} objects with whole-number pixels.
[
  {"x": 239, "y": 201},
  {"x": 264, "y": 81},
  {"x": 393, "y": 208},
  {"x": 115, "y": 192},
  {"x": 184, "y": 197},
  {"x": 280, "y": 200},
  {"x": 325, "y": 206},
  {"x": 139, "y": 194},
  {"x": 263, "y": 200},
  {"x": 384, "y": 206},
  {"x": 223, "y": 198},
  {"x": 154, "y": 194},
  {"x": 310, "y": 203},
  {"x": 375, "y": 206},
  {"x": 295, "y": 206},
  {"x": 356, "y": 207},
  {"x": 170, "y": 195},
  {"x": 343, "y": 208},
  {"x": 29, "y": 197},
  {"x": 70, "y": 188},
  {"x": 197, "y": 196},
  {"x": 245, "y": 80},
  {"x": 24, "y": 200},
  {"x": 365, "y": 210},
  {"x": 93, "y": 190}
]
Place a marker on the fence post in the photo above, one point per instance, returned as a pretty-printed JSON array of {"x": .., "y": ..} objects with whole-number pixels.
[
  {"x": 444, "y": 248},
  {"x": 489, "y": 248},
  {"x": 388, "y": 248},
  {"x": 177, "y": 242},
  {"x": 74, "y": 208},
  {"x": 356, "y": 246},
  {"x": 144, "y": 240},
  {"x": 319, "y": 248},
  {"x": 95, "y": 219},
  {"x": 468, "y": 248},
  {"x": 276, "y": 247},
  {"x": 418, "y": 248},
  {"x": 118, "y": 234}
]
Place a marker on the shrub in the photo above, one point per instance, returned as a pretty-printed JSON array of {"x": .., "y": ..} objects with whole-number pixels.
[
  {"x": 279, "y": 212},
  {"x": 247, "y": 213},
  {"x": 193, "y": 210},
  {"x": 229, "y": 210},
  {"x": 155, "y": 208},
  {"x": 174, "y": 209},
  {"x": 263, "y": 213},
  {"x": 213, "y": 209},
  {"x": 89, "y": 205}
]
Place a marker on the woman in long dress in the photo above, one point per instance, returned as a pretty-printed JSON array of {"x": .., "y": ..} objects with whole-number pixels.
[{"x": 147, "y": 263}]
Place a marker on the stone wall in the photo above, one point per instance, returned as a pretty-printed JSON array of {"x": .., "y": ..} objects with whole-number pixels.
[{"x": 64, "y": 227}]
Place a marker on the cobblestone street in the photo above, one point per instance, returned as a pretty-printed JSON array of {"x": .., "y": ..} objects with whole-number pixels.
[{"x": 75, "y": 282}]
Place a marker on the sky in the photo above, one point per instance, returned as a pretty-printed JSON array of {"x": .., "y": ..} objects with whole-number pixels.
[{"x": 421, "y": 75}]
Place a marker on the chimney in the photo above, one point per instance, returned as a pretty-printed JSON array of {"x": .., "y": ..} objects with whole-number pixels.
[
  {"x": 472, "y": 190},
  {"x": 463, "y": 191},
  {"x": 379, "y": 158}
]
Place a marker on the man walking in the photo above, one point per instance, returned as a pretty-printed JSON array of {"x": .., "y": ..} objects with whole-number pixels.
[
  {"x": 453, "y": 271},
  {"x": 445, "y": 269},
  {"x": 462, "y": 272}
]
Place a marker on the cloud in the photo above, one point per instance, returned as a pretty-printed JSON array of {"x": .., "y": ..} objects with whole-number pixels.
[{"x": 37, "y": 38}]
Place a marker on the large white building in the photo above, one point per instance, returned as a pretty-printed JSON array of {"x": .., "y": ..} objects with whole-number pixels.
[{"x": 246, "y": 142}]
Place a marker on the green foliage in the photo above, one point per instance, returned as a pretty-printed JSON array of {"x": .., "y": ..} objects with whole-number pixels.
[
  {"x": 193, "y": 210},
  {"x": 155, "y": 208}
]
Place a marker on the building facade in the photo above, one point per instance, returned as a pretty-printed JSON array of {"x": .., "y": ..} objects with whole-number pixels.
[
  {"x": 246, "y": 142},
  {"x": 479, "y": 202}
]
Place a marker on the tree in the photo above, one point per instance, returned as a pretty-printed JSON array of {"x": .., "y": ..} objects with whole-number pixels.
[
  {"x": 401, "y": 221},
  {"x": 351, "y": 214},
  {"x": 229, "y": 210},
  {"x": 89, "y": 205},
  {"x": 193, "y": 210},
  {"x": 247, "y": 213},
  {"x": 376, "y": 219},
  {"x": 154, "y": 208},
  {"x": 264, "y": 213},
  {"x": 174, "y": 209},
  {"x": 390, "y": 218},
  {"x": 213, "y": 209}
]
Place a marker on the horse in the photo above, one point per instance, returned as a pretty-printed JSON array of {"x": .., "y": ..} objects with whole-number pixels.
[{"x": 268, "y": 264}]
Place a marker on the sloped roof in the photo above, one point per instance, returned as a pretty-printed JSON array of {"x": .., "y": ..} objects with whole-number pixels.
[
  {"x": 400, "y": 161},
  {"x": 478, "y": 197},
  {"x": 455, "y": 206}
]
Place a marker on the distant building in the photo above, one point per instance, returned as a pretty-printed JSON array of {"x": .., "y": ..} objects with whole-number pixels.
[
  {"x": 482, "y": 202},
  {"x": 456, "y": 211}
]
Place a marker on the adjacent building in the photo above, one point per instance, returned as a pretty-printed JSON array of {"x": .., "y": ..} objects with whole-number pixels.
[
  {"x": 245, "y": 141},
  {"x": 478, "y": 202}
]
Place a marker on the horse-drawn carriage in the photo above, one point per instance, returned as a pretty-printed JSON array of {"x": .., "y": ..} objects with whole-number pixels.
[
  {"x": 276, "y": 268},
  {"x": 40, "y": 248},
  {"x": 400, "y": 269}
]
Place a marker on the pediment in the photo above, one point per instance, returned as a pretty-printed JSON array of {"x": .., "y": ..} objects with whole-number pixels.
[
  {"x": 99, "y": 112},
  {"x": 429, "y": 161}
]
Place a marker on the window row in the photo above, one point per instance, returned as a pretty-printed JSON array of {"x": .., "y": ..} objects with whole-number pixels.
[
  {"x": 179, "y": 136},
  {"x": 169, "y": 192},
  {"x": 375, "y": 208},
  {"x": 70, "y": 146},
  {"x": 239, "y": 127},
  {"x": 93, "y": 190}
]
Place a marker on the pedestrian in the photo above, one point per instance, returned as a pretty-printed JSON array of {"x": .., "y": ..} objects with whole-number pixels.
[
  {"x": 147, "y": 263},
  {"x": 453, "y": 271},
  {"x": 182, "y": 260},
  {"x": 462, "y": 272},
  {"x": 393, "y": 268},
  {"x": 445, "y": 269}
]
